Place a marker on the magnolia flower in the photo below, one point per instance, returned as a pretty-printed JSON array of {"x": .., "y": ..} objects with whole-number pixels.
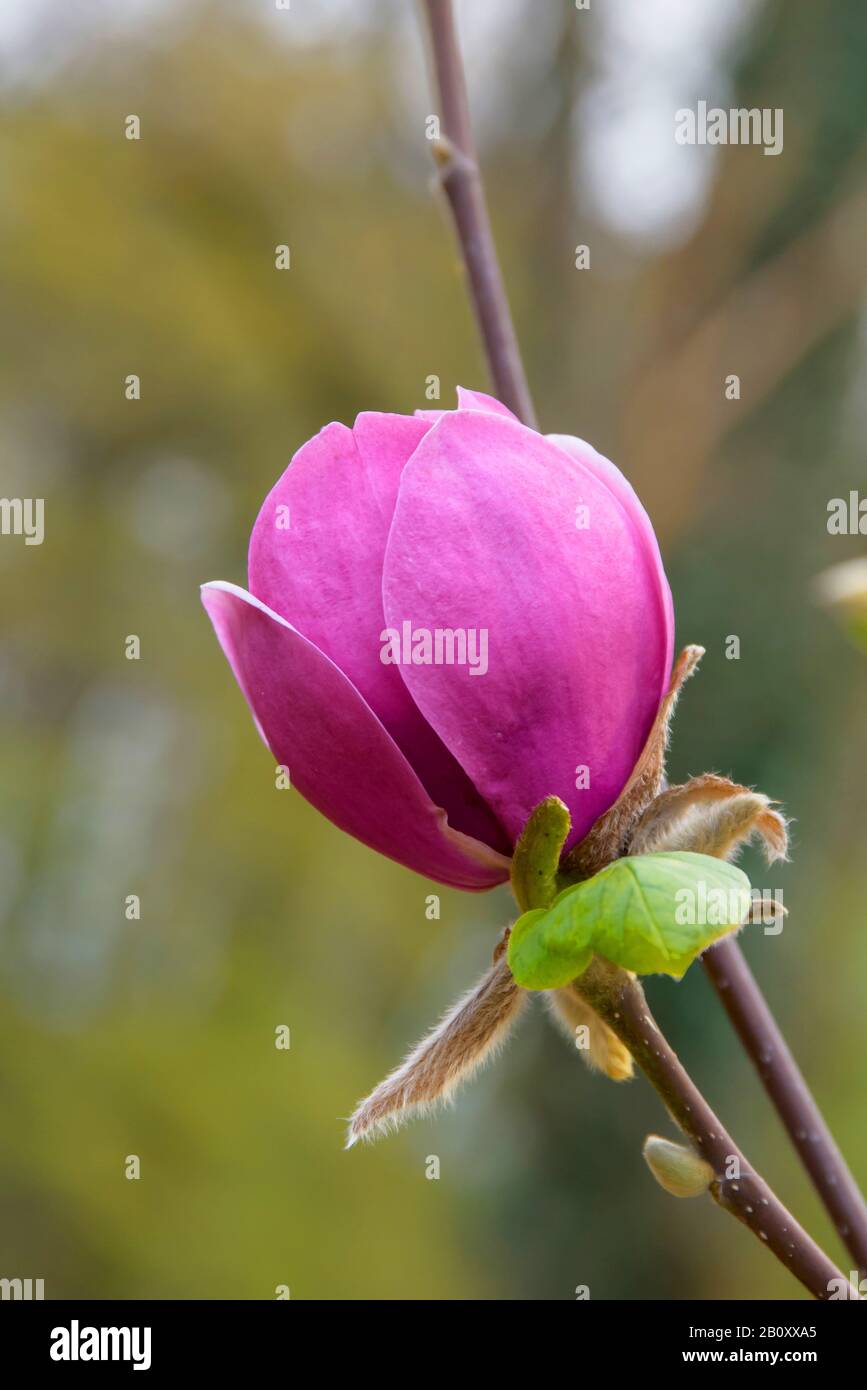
[
  {"x": 458, "y": 638},
  {"x": 449, "y": 618}
]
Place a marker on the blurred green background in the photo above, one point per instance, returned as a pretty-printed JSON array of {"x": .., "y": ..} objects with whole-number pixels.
[{"x": 156, "y": 257}]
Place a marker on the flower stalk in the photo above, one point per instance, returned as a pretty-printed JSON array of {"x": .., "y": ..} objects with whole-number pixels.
[
  {"x": 461, "y": 183},
  {"x": 616, "y": 1007},
  {"x": 618, "y": 999}
]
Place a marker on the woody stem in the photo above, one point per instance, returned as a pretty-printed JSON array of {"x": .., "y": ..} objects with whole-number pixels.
[
  {"x": 781, "y": 1077},
  {"x": 462, "y": 184},
  {"x": 618, "y": 999}
]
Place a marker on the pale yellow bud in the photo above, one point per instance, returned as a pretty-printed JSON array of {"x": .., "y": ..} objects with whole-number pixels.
[
  {"x": 843, "y": 589},
  {"x": 676, "y": 1168}
]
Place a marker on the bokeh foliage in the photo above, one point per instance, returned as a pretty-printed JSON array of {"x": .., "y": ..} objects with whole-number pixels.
[{"x": 156, "y": 1037}]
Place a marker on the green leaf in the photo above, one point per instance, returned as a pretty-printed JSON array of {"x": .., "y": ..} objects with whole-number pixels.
[
  {"x": 541, "y": 954},
  {"x": 651, "y": 913}
]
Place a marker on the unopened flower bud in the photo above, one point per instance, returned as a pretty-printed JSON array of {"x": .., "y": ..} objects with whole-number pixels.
[{"x": 348, "y": 650}]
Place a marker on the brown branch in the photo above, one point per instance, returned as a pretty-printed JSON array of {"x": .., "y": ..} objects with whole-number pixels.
[
  {"x": 618, "y": 999},
  {"x": 711, "y": 815},
  {"x": 781, "y": 1077},
  {"x": 462, "y": 184}
]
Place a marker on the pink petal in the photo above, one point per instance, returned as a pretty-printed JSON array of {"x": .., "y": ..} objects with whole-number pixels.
[
  {"x": 324, "y": 574},
  {"x": 469, "y": 400},
  {"x": 485, "y": 537},
  {"x": 339, "y": 756},
  {"x": 623, "y": 490},
  {"x": 478, "y": 400}
]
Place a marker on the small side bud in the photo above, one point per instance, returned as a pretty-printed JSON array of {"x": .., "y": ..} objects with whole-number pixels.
[
  {"x": 676, "y": 1168},
  {"x": 843, "y": 589}
]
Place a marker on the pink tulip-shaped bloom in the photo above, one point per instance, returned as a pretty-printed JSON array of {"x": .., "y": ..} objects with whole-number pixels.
[{"x": 450, "y": 617}]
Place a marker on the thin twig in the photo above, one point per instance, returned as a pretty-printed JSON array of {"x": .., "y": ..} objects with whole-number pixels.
[
  {"x": 779, "y": 1072},
  {"x": 462, "y": 185},
  {"x": 619, "y": 1000}
]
